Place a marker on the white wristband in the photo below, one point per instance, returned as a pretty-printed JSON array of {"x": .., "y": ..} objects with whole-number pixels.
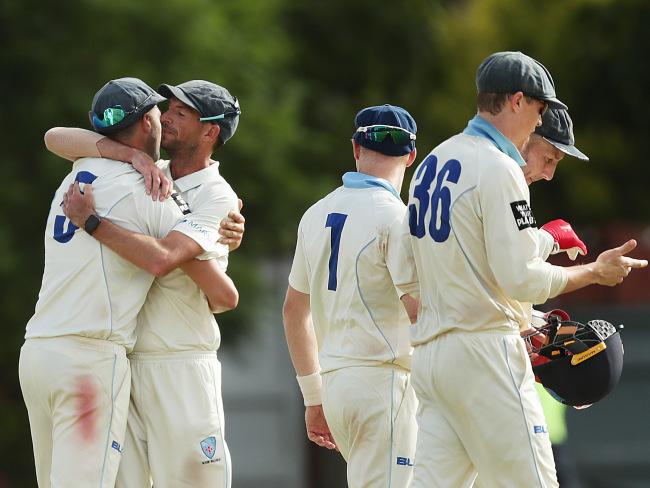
[{"x": 310, "y": 386}]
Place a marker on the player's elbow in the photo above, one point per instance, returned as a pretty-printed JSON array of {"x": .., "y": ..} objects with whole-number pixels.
[
  {"x": 161, "y": 265},
  {"x": 49, "y": 138},
  {"x": 231, "y": 299},
  {"x": 224, "y": 301}
]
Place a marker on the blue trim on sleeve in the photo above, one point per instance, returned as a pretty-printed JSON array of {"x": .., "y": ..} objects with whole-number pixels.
[
  {"x": 354, "y": 179},
  {"x": 478, "y": 126}
]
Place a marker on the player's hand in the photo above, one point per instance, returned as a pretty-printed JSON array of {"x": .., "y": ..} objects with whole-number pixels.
[
  {"x": 317, "y": 429},
  {"x": 232, "y": 228},
  {"x": 534, "y": 341},
  {"x": 566, "y": 240},
  {"x": 613, "y": 266},
  {"x": 79, "y": 206},
  {"x": 155, "y": 181}
]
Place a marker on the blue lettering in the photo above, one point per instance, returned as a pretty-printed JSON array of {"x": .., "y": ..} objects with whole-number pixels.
[
  {"x": 540, "y": 429},
  {"x": 404, "y": 461}
]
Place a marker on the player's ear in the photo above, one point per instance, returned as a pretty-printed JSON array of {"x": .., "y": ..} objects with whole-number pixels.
[
  {"x": 212, "y": 132},
  {"x": 146, "y": 122},
  {"x": 356, "y": 150},
  {"x": 413, "y": 154},
  {"x": 516, "y": 101}
]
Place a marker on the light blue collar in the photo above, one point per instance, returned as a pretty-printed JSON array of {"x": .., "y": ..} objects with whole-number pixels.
[
  {"x": 478, "y": 126},
  {"x": 354, "y": 179}
]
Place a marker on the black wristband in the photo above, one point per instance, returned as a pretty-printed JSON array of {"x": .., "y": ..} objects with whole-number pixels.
[{"x": 91, "y": 224}]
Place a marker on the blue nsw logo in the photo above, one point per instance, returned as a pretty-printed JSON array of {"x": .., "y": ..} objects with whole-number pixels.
[{"x": 209, "y": 446}]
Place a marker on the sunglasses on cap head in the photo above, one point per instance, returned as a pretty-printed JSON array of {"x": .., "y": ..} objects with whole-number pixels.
[
  {"x": 378, "y": 133},
  {"x": 114, "y": 115},
  {"x": 229, "y": 113}
]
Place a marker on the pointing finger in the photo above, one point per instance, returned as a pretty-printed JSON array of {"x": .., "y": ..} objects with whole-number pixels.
[{"x": 636, "y": 263}]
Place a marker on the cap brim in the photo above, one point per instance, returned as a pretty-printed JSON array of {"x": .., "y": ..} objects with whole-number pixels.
[
  {"x": 169, "y": 91},
  {"x": 570, "y": 150},
  {"x": 555, "y": 103}
]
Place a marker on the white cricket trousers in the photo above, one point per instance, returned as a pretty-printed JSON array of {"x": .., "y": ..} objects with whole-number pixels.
[
  {"x": 76, "y": 391},
  {"x": 370, "y": 411},
  {"x": 479, "y": 412},
  {"x": 175, "y": 432}
]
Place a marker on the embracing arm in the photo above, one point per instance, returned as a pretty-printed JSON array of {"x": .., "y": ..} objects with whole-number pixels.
[
  {"x": 215, "y": 283},
  {"x": 73, "y": 143},
  {"x": 156, "y": 256}
]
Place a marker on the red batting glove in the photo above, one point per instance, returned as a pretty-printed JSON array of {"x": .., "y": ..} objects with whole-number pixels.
[{"x": 566, "y": 240}]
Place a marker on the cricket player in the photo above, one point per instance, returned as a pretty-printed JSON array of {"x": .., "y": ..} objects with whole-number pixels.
[
  {"x": 346, "y": 313},
  {"x": 545, "y": 148},
  {"x": 175, "y": 434},
  {"x": 476, "y": 251},
  {"x": 73, "y": 369}
]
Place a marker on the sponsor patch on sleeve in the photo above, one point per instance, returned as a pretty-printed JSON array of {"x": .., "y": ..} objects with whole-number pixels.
[{"x": 523, "y": 214}]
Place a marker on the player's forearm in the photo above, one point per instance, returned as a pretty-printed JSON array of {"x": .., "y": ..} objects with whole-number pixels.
[
  {"x": 142, "y": 250},
  {"x": 299, "y": 331},
  {"x": 110, "y": 149},
  {"x": 301, "y": 342},
  {"x": 153, "y": 255},
  {"x": 73, "y": 143},
  {"x": 219, "y": 289},
  {"x": 580, "y": 276}
]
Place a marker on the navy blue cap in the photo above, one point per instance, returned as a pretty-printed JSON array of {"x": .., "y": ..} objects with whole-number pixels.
[
  {"x": 132, "y": 95},
  {"x": 557, "y": 129},
  {"x": 513, "y": 71},
  {"x": 389, "y": 115}
]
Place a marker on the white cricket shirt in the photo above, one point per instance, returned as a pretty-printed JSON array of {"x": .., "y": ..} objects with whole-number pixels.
[
  {"x": 349, "y": 259},
  {"x": 475, "y": 241},
  {"x": 176, "y": 315},
  {"x": 87, "y": 289}
]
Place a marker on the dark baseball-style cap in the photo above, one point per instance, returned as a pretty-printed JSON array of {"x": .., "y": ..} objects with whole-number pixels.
[
  {"x": 511, "y": 72},
  {"x": 557, "y": 129},
  {"x": 214, "y": 104},
  {"x": 120, "y": 103},
  {"x": 387, "y": 129}
]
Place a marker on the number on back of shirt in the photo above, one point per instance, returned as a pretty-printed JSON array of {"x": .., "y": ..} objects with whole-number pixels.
[
  {"x": 335, "y": 221},
  {"x": 433, "y": 205},
  {"x": 61, "y": 233}
]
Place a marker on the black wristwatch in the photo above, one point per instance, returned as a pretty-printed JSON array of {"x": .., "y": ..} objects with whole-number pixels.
[{"x": 91, "y": 224}]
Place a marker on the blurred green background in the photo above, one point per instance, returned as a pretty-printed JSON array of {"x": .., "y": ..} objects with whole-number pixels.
[{"x": 301, "y": 71}]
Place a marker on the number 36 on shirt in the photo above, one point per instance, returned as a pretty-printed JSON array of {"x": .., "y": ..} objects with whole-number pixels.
[{"x": 433, "y": 205}]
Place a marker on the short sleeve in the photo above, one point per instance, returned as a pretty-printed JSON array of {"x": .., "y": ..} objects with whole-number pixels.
[
  {"x": 511, "y": 237},
  {"x": 202, "y": 223},
  {"x": 299, "y": 275},
  {"x": 546, "y": 243},
  {"x": 399, "y": 257}
]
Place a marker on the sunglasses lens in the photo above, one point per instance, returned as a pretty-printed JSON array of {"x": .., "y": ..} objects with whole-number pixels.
[
  {"x": 113, "y": 116},
  {"x": 400, "y": 137},
  {"x": 377, "y": 136}
]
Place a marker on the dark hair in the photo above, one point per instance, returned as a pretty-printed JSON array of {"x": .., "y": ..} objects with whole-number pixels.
[{"x": 494, "y": 102}]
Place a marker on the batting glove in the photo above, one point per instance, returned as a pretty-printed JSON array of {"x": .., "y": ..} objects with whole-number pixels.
[{"x": 566, "y": 240}]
